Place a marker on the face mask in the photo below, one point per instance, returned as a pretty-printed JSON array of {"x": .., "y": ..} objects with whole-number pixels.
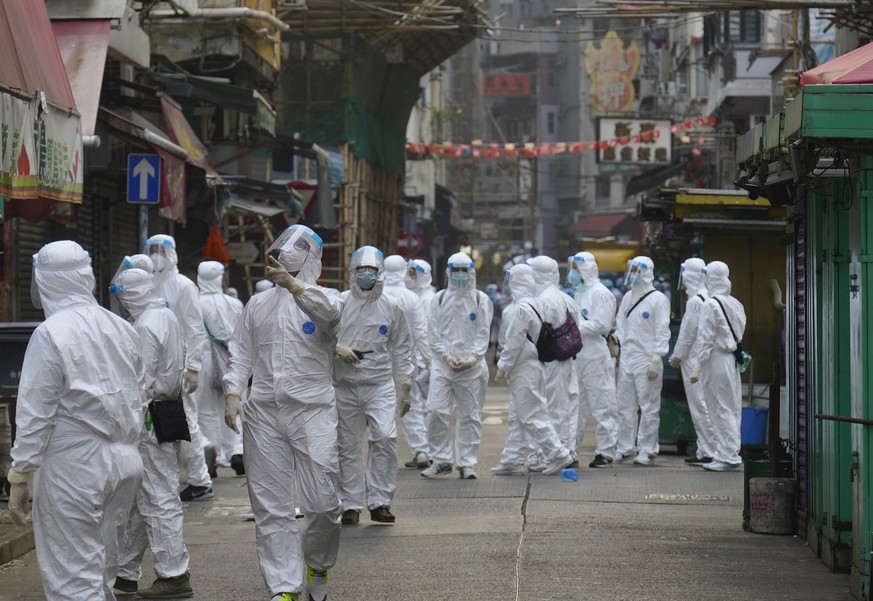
[
  {"x": 632, "y": 280},
  {"x": 460, "y": 278},
  {"x": 159, "y": 261},
  {"x": 366, "y": 278},
  {"x": 573, "y": 278},
  {"x": 293, "y": 259}
]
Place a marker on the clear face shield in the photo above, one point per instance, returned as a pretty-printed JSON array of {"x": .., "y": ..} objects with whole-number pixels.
[
  {"x": 507, "y": 289},
  {"x": 366, "y": 265},
  {"x": 115, "y": 302},
  {"x": 292, "y": 248},
  {"x": 634, "y": 273},
  {"x": 159, "y": 252},
  {"x": 691, "y": 278},
  {"x": 574, "y": 274},
  {"x": 34, "y": 289}
]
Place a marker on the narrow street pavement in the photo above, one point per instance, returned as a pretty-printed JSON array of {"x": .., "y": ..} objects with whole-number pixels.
[{"x": 626, "y": 533}]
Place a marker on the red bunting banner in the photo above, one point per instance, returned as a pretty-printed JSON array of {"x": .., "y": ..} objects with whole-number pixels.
[{"x": 498, "y": 150}]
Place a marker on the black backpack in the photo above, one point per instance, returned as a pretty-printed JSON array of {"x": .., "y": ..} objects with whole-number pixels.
[{"x": 557, "y": 344}]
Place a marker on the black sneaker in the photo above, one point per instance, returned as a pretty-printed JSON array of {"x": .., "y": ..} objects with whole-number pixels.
[
  {"x": 177, "y": 587},
  {"x": 702, "y": 461},
  {"x": 236, "y": 462},
  {"x": 691, "y": 461},
  {"x": 124, "y": 585},
  {"x": 196, "y": 493},
  {"x": 600, "y": 461}
]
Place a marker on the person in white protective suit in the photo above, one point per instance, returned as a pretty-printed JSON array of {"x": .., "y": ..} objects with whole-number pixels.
[
  {"x": 231, "y": 440},
  {"x": 413, "y": 421},
  {"x": 643, "y": 328},
  {"x": 716, "y": 370},
  {"x": 419, "y": 279},
  {"x": 459, "y": 329},
  {"x": 184, "y": 300},
  {"x": 156, "y": 518},
  {"x": 374, "y": 347},
  {"x": 233, "y": 293},
  {"x": 220, "y": 314},
  {"x": 594, "y": 366},
  {"x": 562, "y": 387},
  {"x": 529, "y": 420},
  {"x": 285, "y": 341},
  {"x": 692, "y": 278},
  {"x": 79, "y": 412}
]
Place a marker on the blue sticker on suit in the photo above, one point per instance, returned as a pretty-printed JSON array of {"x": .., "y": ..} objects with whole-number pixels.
[{"x": 308, "y": 328}]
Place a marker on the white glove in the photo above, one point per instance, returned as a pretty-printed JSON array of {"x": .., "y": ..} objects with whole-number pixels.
[
  {"x": 655, "y": 367},
  {"x": 695, "y": 377},
  {"x": 277, "y": 274},
  {"x": 464, "y": 364},
  {"x": 19, "y": 496},
  {"x": 674, "y": 361},
  {"x": 404, "y": 401},
  {"x": 232, "y": 409},
  {"x": 501, "y": 377},
  {"x": 347, "y": 354},
  {"x": 192, "y": 379}
]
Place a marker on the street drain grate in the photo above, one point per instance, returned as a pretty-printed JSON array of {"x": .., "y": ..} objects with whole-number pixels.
[{"x": 704, "y": 498}]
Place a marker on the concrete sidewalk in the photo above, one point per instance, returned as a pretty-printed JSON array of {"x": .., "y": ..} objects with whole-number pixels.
[{"x": 624, "y": 533}]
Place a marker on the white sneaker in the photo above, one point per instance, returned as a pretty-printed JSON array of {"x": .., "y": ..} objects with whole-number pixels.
[
  {"x": 720, "y": 466},
  {"x": 623, "y": 457},
  {"x": 644, "y": 459},
  {"x": 436, "y": 470},
  {"x": 507, "y": 469},
  {"x": 468, "y": 473},
  {"x": 556, "y": 465},
  {"x": 316, "y": 584}
]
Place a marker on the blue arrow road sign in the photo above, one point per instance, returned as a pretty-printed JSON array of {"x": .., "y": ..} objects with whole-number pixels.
[{"x": 143, "y": 178}]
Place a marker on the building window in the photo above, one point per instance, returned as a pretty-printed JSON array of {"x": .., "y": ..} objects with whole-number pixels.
[
  {"x": 602, "y": 191},
  {"x": 550, "y": 122},
  {"x": 743, "y": 26}
]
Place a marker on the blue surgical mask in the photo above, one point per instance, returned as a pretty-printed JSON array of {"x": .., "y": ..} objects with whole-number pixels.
[
  {"x": 632, "y": 280},
  {"x": 573, "y": 278},
  {"x": 460, "y": 278},
  {"x": 366, "y": 278}
]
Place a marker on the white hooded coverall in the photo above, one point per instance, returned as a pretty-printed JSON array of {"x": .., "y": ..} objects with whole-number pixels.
[
  {"x": 286, "y": 344},
  {"x": 79, "y": 413},
  {"x": 220, "y": 315},
  {"x": 687, "y": 349},
  {"x": 719, "y": 376},
  {"x": 156, "y": 519},
  {"x": 562, "y": 387},
  {"x": 643, "y": 333},
  {"x": 184, "y": 299},
  {"x": 459, "y": 326},
  {"x": 529, "y": 421},
  {"x": 413, "y": 424},
  {"x": 365, "y": 392},
  {"x": 594, "y": 366}
]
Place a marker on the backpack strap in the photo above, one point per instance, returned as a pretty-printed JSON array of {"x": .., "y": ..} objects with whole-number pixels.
[
  {"x": 700, "y": 296},
  {"x": 730, "y": 327},
  {"x": 538, "y": 317},
  {"x": 641, "y": 299}
]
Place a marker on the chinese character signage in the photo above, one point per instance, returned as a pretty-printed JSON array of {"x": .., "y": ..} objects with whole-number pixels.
[
  {"x": 634, "y": 141},
  {"x": 612, "y": 68},
  {"x": 507, "y": 84}
]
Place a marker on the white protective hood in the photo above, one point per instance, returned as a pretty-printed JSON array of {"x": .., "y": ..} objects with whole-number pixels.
[{"x": 62, "y": 277}]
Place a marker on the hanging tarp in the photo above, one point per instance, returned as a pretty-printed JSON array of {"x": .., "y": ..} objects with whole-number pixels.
[
  {"x": 40, "y": 151},
  {"x": 40, "y": 130}
]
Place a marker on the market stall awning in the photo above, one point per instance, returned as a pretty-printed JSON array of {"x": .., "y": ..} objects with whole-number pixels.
[
  {"x": 181, "y": 133},
  {"x": 853, "y": 67},
  {"x": 598, "y": 226},
  {"x": 42, "y": 140},
  {"x": 83, "y": 45},
  {"x": 613, "y": 259}
]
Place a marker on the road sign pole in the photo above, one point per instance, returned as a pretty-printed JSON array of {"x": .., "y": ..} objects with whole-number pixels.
[{"x": 143, "y": 227}]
